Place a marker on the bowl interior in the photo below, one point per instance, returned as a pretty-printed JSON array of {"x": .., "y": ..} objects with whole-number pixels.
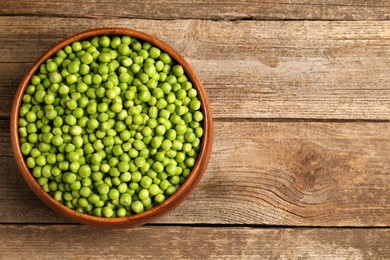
[{"x": 138, "y": 219}]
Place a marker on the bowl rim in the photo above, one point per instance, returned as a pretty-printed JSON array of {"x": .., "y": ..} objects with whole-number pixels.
[{"x": 137, "y": 219}]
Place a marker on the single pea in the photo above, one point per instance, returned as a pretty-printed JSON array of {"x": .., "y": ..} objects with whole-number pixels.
[
  {"x": 143, "y": 194},
  {"x": 103, "y": 189},
  {"x": 123, "y": 49},
  {"x": 121, "y": 212},
  {"x": 127, "y": 62},
  {"x": 161, "y": 103},
  {"x": 123, "y": 167},
  {"x": 103, "y": 41},
  {"x": 154, "y": 52},
  {"x": 164, "y": 57},
  {"x": 85, "y": 192},
  {"x": 125, "y": 199},
  {"x": 117, "y": 150},
  {"x": 136, "y": 176},
  {"x": 85, "y": 171},
  {"x": 96, "y": 79},
  {"x": 96, "y": 159},
  {"x": 26, "y": 148},
  {"x": 138, "y": 144},
  {"x": 40, "y": 160},
  {"x": 73, "y": 67},
  {"x": 30, "y": 161},
  {"x": 104, "y": 57},
  {"x": 73, "y": 156},
  {"x": 32, "y": 138},
  {"x": 30, "y": 89},
  {"x": 71, "y": 104},
  {"x": 74, "y": 166},
  {"x": 75, "y": 130},
  {"x": 158, "y": 167},
  {"x": 32, "y": 128},
  {"x": 22, "y": 122},
  {"x": 138, "y": 119},
  {"x": 35, "y": 80},
  {"x": 136, "y": 46},
  {"x": 125, "y": 177},
  {"x": 146, "y": 181},
  {"x": 82, "y": 87},
  {"x": 165, "y": 184},
  {"x": 137, "y": 207},
  {"x": 190, "y": 162},
  {"x": 113, "y": 194},
  {"x": 198, "y": 116},
  {"x": 93, "y": 198},
  {"x": 166, "y": 145},
  {"x": 154, "y": 189},
  {"x": 159, "y": 198},
  {"x": 76, "y": 46},
  {"x": 31, "y": 116},
  {"x": 144, "y": 96},
  {"x": 170, "y": 190},
  {"x": 156, "y": 142},
  {"x": 51, "y": 66},
  {"x": 107, "y": 212},
  {"x": 69, "y": 177},
  {"x": 93, "y": 123},
  {"x": 55, "y": 77},
  {"x": 178, "y": 70},
  {"x": 171, "y": 169},
  {"x": 195, "y": 104},
  {"x": 86, "y": 58}
]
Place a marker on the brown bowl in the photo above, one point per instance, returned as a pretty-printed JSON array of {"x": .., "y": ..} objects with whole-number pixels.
[{"x": 138, "y": 219}]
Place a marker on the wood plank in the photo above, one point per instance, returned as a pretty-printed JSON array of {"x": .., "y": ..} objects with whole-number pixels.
[
  {"x": 274, "y": 173},
  {"x": 176, "y": 242},
  {"x": 204, "y": 9},
  {"x": 321, "y": 70}
]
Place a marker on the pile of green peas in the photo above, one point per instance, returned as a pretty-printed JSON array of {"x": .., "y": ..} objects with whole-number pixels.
[{"x": 110, "y": 126}]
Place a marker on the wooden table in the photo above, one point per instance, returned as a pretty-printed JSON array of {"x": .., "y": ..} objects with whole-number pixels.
[{"x": 301, "y": 101}]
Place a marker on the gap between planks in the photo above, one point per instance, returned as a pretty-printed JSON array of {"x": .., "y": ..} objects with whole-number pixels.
[{"x": 235, "y": 19}]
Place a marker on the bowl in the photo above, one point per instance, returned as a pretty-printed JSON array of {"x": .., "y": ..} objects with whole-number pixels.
[{"x": 157, "y": 211}]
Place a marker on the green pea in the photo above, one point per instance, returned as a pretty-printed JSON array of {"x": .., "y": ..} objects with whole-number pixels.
[
  {"x": 26, "y": 148},
  {"x": 159, "y": 198},
  {"x": 137, "y": 207},
  {"x": 107, "y": 212},
  {"x": 85, "y": 171},
  {"x": 113, "y": 194},
  {"x": 103, "y": 189},
  {"x": 125, "y": 199},
  {"x": 69, "y": 177}
]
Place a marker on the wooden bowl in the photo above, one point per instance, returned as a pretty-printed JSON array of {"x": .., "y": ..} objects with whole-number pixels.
[{"x": 138, "y": 219}]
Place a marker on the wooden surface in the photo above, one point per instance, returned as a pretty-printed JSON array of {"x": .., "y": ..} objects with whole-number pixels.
[
  {"x": 305, "y": 173},
  {"x": 268, "y": 69},
  {"x": 204, "y": 9},
  {"x": 177, "y": 242},
  {"x": 301, "y": 100}
]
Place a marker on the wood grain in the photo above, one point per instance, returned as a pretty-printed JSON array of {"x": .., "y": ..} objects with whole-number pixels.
[
  {"x": 265, "y": 65},
  {"x": 302, "y": 69},
  {"x": 175, "y": 242},
  {"x": 274, "y": 173},
  {"x": 204, "y": 9}
]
